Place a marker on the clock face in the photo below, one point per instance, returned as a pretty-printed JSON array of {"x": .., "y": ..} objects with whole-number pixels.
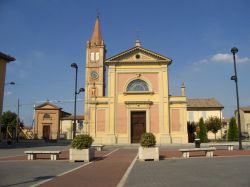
[{"x": 94, "y": 75}]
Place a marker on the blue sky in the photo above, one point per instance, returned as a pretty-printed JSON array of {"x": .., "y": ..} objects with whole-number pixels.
[{"x": 46, "y": 36}]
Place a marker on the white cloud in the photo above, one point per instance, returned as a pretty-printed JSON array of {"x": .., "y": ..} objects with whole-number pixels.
[
  {"x": 223, "y": 58},
  {"x": 220, "y": 57}
]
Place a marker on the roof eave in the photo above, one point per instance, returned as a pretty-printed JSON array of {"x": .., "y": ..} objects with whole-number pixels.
[{"x": 6, "y": 57}]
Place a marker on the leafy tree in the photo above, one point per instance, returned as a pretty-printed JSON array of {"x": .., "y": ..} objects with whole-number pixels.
[
  {"x": 191, "y": 128},
  {"x": 202, "y": 134},
  {"x": 233, "y": 133},
  {"x": 8, "y": 119},
  {"x": 213, "y": 124}
]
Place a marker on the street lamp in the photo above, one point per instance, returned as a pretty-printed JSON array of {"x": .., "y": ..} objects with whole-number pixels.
[
  {"x": 11, "y": 83},
  {"x": 234, "y": 50},
  {"x": 74, "y": 65}
]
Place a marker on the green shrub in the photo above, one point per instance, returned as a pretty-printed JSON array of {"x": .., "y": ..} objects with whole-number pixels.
[
  {"x": 233, "y": 133},
  {"x": 82, "y": 141},
  {"x": 147, "y": 140},
  {"x": 203, "y": 131}
]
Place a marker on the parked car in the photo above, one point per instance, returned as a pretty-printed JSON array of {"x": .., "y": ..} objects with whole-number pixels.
[{"x": 245, "y": 135}]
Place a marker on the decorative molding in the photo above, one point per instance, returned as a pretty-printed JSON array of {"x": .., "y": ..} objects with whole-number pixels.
[
  {"x": 139, "y": 102},
  {"x": 139, "y": 92},
  {"x": 98, "y": 102},
  {"x": 177, "y": 102}
]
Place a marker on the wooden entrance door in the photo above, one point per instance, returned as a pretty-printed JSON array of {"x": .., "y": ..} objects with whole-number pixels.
[
  {"x": 46, "y": 132},
  {"x": 138, "y": 125}
]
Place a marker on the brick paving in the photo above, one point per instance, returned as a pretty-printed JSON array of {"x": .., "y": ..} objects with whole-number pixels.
[{"x": 106, "y": 171}]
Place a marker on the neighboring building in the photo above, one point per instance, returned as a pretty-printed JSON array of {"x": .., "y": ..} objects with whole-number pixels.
[
  {"x": 137, "y": 98},
  {"x": 204, "y": 108},
  {"x": 244, "y": 119},
  {"x": 4, "y": 59},
  {"x": 66, "y": 126},
  {"x": 53, "y": 123}
]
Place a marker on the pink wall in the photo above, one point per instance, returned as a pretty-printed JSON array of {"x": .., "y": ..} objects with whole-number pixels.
[
  {"x": 175, "y": 120},
  {"x": 100, "y": 115},
  {"x": 154, "y": 119},
  {"x": 121, "y": 119},
  {"x": 123, "y": 80},
  {"x": 153, "y": 78}
]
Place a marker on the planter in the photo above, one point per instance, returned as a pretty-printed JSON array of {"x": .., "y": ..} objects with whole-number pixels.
[
  {"x": 85, "y": 155},
  {"x": 149, "y": 153}
]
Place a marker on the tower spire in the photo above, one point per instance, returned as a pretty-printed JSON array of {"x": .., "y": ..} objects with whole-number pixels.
[
  {"x": 183, "y": 89},
  {"x": 96, "y": 38}
]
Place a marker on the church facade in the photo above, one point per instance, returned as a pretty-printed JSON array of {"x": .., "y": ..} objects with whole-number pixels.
[{"x": 137, "y": 99}]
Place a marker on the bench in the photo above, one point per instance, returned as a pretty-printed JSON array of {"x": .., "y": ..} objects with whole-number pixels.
[
  {"x": 209, "y": 151},
  {"x": 98, "y": 147},
  {"x": 230, "y": 147},
  {"x": 32, "y": 155}
]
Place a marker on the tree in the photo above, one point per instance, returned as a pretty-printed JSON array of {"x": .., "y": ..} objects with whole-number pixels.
[
  {"x": 202, "y": 134},
  {"x": 8, "y": 120},
  {"x": 233, "y": 133},
  {"x": 213, "y": 124}
]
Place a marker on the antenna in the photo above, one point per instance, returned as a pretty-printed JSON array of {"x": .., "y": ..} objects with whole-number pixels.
[{"x": 98, "y": 12}]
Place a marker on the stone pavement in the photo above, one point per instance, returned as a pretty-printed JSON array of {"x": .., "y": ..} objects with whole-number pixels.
[
  {"x": 192, "y": 172},
  {"x": 227, "y": 168}
]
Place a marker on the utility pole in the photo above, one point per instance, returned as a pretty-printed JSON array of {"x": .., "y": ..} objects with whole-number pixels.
[{"x": 17, "y": 120}]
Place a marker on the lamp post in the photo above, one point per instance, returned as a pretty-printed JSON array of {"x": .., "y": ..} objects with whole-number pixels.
[
  {"x": 74, "y": 65},
  {"x": 17, "y": 119},
  {"x": 234, "y": 50}
]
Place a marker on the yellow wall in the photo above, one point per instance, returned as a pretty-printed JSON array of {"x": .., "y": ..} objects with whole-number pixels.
[
  {"x": 2, "y": 79},
  {"x": 197, "y": 114},
  {"x": 245, "y": 121},
  {"x": 53, "y": 122}
]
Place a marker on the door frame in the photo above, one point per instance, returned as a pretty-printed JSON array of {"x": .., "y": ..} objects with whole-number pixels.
[
  {"x": 129, "y": 120},
  {"x": 48, "y": 125},
  {"x": 143, "y": 113}
]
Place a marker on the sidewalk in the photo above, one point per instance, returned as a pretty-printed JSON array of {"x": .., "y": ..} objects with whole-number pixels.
[{"x": 112, "y": 163}]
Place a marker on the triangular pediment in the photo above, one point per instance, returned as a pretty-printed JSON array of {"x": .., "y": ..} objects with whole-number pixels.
[
  {"x": 47, "y": 106},
  {"x": 138, "y": 55}
]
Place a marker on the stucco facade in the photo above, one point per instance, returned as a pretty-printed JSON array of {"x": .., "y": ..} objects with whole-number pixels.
[
  {"x": 205, "y": 108},
  {"x": 244, "y": 119},
  {"x": 51, "y": 123},
  {"x": 137, "y": 97},
  {"x": 4, "y": 59}
]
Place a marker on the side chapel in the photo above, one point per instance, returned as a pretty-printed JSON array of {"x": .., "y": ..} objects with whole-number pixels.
[{"x": 137, "y": 99}]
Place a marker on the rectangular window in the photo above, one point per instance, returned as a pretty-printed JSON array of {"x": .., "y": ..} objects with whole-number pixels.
[
  {"x": 191, "y": 116},
  {"x": 204, "y": 115},
  {"x": 92, "y": 56},
  {"x": 97, "y": 56}
]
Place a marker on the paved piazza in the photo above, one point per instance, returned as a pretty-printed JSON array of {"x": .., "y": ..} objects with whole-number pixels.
[{"x": 192, "y": 172}]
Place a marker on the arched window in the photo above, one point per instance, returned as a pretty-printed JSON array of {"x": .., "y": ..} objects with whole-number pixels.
[
  {"x": 137, "y": 85},
  {"x": 46, "y": 116}
]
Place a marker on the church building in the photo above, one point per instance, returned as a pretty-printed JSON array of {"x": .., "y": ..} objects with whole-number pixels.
[{"x": 137, "y": 99}]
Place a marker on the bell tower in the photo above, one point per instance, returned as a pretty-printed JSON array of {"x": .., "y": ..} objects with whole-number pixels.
[{"x": 95, "y": 69}]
